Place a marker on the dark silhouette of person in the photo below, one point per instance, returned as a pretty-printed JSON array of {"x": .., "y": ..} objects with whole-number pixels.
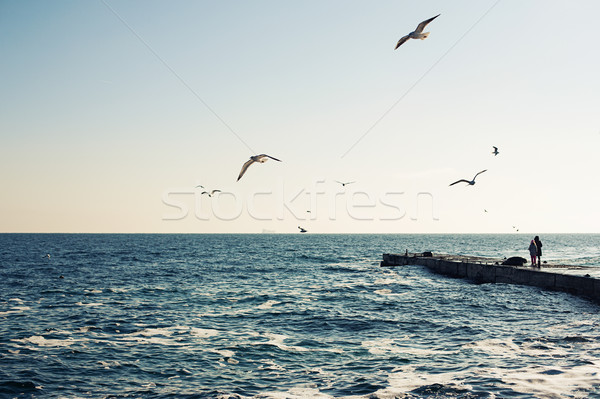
[
  {"x": 532, "y": 251},
  {"x": 538, "y": 244}
]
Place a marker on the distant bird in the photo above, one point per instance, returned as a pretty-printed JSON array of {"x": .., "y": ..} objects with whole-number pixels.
[
  {"x": 344, "y": 184},
  {"x": 469, "y": 182},
  {"x": 485, "y": 210},
  {"x": 211, "y": 193},
  {"x": 302, "y": 230},
  {"x": 495, "y": 152},
  {"x": 417, "y": 33},
  {"x": 47, "y": 256},
  {"x": 199, "y": 185},
  {"x": 262, "y": 158}
]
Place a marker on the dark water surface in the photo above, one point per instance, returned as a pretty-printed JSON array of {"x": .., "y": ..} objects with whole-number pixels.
[{"x": 286, "y": 316}]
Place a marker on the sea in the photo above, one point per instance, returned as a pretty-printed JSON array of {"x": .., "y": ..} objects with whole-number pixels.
[{"x": 287, "y": 316}]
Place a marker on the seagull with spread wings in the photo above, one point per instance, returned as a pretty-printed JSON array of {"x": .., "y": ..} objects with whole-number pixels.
[
  {"x": 211, "y": 193},
  {"x": 495, "y": 152},
  {"x": 344, "y": 183},
  {"x": 469, "y": 182},
  {"x": 262, "y": 158},
  {"x": 417, "y": 33}
]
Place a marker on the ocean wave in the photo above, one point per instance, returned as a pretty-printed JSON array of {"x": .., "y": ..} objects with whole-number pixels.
[{"x": 267, "y": 316}]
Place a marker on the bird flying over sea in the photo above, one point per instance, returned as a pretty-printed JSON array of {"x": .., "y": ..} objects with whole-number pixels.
[
  {"x": 344, "y": 183},
  {"x": 211, "y": 193},
  {"x": 469, "y": 182},
  {"x": 262, "y": 158},
  {"x": 417, "y": 33},
  {"x": 302, "y": 229},
  {"x": 495, "y": 152}
]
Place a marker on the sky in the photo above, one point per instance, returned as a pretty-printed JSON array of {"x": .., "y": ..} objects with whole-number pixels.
[{"x": 112, "y": 112}]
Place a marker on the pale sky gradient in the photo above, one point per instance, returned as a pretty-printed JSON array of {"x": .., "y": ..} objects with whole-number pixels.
[{"x": 104, "y": 129}]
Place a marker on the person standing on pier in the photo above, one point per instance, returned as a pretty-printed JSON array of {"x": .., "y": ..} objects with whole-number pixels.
[
  {"x": 538, "y": 244},
  {"x": 532, "y": 252}
]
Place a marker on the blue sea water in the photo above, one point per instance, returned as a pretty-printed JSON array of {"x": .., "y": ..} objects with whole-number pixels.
[{"x": 286, "y": 316}]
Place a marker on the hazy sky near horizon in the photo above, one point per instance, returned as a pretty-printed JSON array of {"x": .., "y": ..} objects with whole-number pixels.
[{"x": 111, "y": 112}]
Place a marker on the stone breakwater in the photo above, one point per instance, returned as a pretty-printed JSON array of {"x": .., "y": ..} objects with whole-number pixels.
[{"x": 491, "y": 270}]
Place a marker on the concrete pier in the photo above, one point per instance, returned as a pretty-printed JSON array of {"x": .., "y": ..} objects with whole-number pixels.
[{"x": 490, "y": 270}]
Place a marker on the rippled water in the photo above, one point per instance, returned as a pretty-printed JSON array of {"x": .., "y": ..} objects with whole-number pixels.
[{"x": 286, "y": 316}]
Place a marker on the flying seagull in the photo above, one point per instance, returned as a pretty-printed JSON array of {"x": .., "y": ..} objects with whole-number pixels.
[
  {"x": 344, "y": 184},
  {"x": 302, "y": 230},
  {"x": 262, "y": 158},
  {"x": 417, "y": 33},
  {"x": 495, "y": 152},
  {"x": 469, "y": 182},
  {"x": 211, "y": 193}
]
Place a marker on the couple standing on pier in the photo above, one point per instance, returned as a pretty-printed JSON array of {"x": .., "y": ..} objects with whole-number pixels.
[{"x": 535, "y": 250}]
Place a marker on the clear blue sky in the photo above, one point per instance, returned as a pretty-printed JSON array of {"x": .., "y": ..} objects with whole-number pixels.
[{"x": 111, "y": 112}]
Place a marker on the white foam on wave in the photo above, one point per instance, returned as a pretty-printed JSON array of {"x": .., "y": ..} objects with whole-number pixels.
[
  {"x": 90, "y": 304},
  {"x": 386, "y": 281},
  {"x": 149, "y": 385},
  {"x": 271, "y": 365},
  {"x": 224, "y": 352},
  {"x": 119, "y": 290},
  {"x": 227, "y": 355},
  {"x": 241, "y": 311},
  {"x": 507, "y": 349},
  {"x": 405, "y": 379},
  {"x": 15, "y": 310},
  {"x": 386, "y": 346},
  {"x": 164, "y": 335},
  {"x": 93, "y": 291},
  {"x": 154, "y": 340},
  {"x": 40, "y": 341},
  {"x": 573, "y": 325},
  {"x": 494, "y": 346},
  {"x": 550, "y": 382},
  {"x": 269, "y": 304},
  {"x": 157, "y": 336},
  {"x": 297, "y": 393},
  {"x": 348, "y": 284},
  {"x": 150, "y": 332},
  {"x": 543, "y": 381},
  {"x": 277, "y": 340},
  {"x": 203, "y": 332},
  {"x": 108, "y": 364},
  {"x": 379, "y": 346}
]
